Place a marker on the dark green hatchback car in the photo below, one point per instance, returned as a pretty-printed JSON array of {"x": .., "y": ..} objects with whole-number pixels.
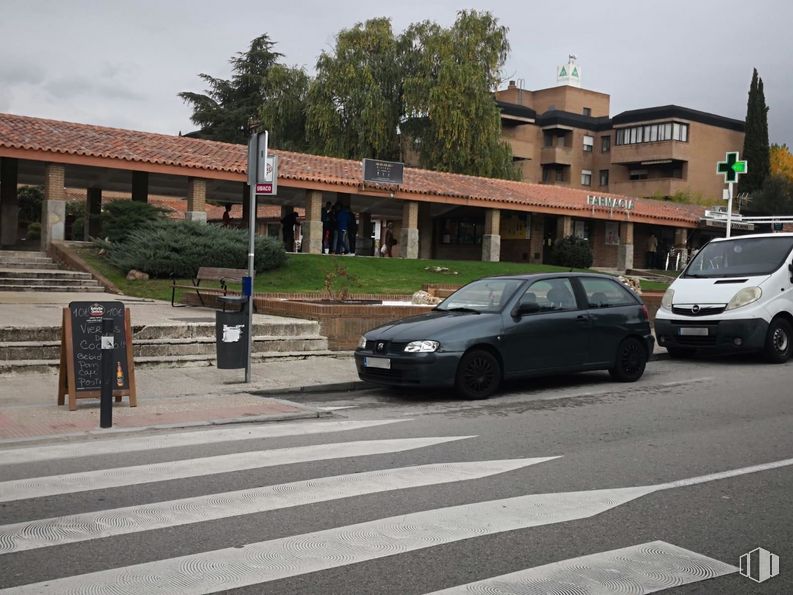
[{"x": 510, "y": 327}]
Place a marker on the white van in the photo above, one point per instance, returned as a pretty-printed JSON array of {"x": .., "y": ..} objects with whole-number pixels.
[{"x": 736, "y": 294}]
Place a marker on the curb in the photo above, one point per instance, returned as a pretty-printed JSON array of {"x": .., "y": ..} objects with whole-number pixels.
[
  {"x": 195, "y": 424},
  {"x": 313, "y": 388}
]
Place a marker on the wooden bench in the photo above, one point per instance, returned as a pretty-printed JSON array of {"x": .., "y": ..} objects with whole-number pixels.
[{"x": 221, "y": 275}]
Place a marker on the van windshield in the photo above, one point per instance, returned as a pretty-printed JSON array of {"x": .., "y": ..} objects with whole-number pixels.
[{"x": 740, "y": 257}]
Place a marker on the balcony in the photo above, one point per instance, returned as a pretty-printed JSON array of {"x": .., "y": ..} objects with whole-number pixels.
[
  {"x": 649, "y": 187},
  {"x": 658, "y": 151},
  {"x": 521, "y": 149},
  {"x": 558, "y": 155}
]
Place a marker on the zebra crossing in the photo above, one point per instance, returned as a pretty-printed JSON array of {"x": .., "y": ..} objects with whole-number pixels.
[{"x": 641, "y": 568}]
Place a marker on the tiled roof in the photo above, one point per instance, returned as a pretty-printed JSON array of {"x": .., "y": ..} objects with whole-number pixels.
[{"x": 22, "y": 132}]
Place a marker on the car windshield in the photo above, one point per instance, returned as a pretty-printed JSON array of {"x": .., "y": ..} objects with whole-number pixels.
[
  {"x": 485, "y": 295},
  {"x": 740, "y": 257}
]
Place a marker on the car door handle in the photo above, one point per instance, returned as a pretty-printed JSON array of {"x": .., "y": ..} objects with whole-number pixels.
[{"x": 582, "y": 318}]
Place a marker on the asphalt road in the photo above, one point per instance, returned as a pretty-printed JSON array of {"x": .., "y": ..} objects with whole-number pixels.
[{"x": 556, "y": 510}]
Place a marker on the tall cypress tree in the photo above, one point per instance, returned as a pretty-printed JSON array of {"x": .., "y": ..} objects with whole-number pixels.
[{"x": 755, "y": 144}]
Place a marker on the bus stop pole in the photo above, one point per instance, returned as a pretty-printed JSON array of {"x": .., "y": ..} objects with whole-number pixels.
[{"x": 252, "y": 148}]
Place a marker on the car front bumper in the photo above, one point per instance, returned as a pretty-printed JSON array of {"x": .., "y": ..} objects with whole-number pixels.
[
  {"x": 732, "y": 335},
  {"x": 414, "y": 369}
]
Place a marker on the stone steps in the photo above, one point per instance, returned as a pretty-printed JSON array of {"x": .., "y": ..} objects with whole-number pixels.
[
  {"x": 35, "y": 349},
  {"x": 35, "y": 271}
]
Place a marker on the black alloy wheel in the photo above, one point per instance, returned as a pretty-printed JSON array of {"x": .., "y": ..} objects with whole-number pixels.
[
  {"x": 631, "y": 360},
  {"x": 778, "y": 341},
  {"x": 478, "y": 375}
]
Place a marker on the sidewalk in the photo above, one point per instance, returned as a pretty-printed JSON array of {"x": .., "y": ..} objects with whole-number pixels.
[{"x": 173, "y": 397}]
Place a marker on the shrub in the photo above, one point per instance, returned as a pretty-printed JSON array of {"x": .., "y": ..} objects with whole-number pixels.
[
  {"x": 30, "y": 199},
  {"x": 34, "y": 231},
  {"x": 181, "y": 247},
  {"x": 122, "y": 217},
  {"x": 572, "y": 252}
]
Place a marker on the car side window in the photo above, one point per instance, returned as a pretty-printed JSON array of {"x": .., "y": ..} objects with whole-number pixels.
[
  {"x": 550, "y": 295},
  {"x": 605, "y": 293}
]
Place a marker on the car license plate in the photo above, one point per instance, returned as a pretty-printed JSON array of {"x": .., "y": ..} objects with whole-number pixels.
[
  {"x": 695, "y": 331},
  {"x": 377, "y": 362}
]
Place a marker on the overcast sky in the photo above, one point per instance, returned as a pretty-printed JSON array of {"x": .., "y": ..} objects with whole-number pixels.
[{"x": 122, "y": 63}]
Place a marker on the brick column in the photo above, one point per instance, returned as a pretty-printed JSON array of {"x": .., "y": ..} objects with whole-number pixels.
[
  {"x": 140, "y": 186},
  {"x": 196, "y": 200},
  {"x": 53, "y": 209},
  {"x": 491, "y": 239},
  {"x": 9, "y": 205},
  {"x": 425, "y": 230},
  {"x": 625, "y": 249},
  {"x": 409, "y": 236},
  {"x": 312, "y": 226},
  {"x": 92, "y": 226}
]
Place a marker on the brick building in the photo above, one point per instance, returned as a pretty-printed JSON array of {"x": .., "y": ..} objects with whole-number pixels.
[{"x": 565, "y": 136}]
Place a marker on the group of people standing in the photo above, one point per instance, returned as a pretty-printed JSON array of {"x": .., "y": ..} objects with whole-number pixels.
[{"x": 339, "y": 229}]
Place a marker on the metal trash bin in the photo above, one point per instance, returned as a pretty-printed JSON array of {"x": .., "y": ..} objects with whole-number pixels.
[{"x": 231, "y": 337}]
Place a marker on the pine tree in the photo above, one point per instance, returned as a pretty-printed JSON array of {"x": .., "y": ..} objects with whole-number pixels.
[{"x": 755, "y": 144}]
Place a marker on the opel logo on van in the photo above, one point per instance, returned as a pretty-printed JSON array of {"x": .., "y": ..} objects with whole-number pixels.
[
  {"x": 380, "y": 346},
  {"x": 695, "y": 308}
]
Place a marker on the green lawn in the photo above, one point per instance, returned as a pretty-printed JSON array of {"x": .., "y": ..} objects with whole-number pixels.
[{"x": 306, "y": 272}]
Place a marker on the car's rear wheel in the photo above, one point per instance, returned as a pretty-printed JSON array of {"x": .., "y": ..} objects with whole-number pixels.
[
  {"x": 630, "y": 362},
  {"x": 478, "y": 375},
  {"x": 778, "y": 341}
]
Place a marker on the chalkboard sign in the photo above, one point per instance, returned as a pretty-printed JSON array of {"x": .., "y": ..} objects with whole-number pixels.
[{"x": 81, "y": 352}]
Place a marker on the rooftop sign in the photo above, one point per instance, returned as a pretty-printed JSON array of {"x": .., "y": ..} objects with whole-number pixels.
[
  {"x": 382, "y": 172},
  {"x": 610, "y": 202}
]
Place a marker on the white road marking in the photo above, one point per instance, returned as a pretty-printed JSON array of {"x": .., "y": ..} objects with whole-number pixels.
[
  {"x": 337, "y": 407},
  {"x": 94, "y": 525},
  {"x": 276, "y": 559},
  {"x": 645, "y": 568},
  {"x": 53, "y": 485},
  {"x": 89, "y": 448}
]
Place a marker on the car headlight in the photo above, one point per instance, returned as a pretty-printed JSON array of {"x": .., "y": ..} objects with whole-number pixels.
[
  {"x": 666, "y": 301},
  {"x": 362, "y": 342},
  {"x": 744, "y": 297},
  {"x": 422, "y": 346}
]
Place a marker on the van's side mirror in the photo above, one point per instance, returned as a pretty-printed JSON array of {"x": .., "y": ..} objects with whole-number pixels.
[
  {"x": 790, "y": 268},
  {"x": 526, "y": 308}
]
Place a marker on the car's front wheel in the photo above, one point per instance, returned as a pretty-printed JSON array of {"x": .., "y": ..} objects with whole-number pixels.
[
  {"x": 478, "y": 375},
  {"x": 631, "y": 360},
  {"x": 779, "y": 341}
]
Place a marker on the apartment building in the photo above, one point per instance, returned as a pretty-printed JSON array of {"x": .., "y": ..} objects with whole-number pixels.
[{"x": 565, "y": 136}]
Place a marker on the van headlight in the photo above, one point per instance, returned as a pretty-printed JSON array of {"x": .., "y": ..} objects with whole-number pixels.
[
  {"x": 362, "y": 342},
  {"x": 422, "y": 346},
  {"x": 666, "y": 301},
  {"x": 744, "y": 297}
]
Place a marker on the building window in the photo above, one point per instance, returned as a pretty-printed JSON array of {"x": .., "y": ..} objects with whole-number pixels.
[
  {"x": 604, "y": 177},
  {"x": 652, "y": 133},
  {"x": 548, "y": 175},
  {"x": 588, "y": 142},
  {"x": 547, "y": 139},
  {"x": 586, "y": 177},
  {"x": 605, "y": 144},
  {"x": 587, "y": 111},
  {"x": 461, "y": 231},
  {"x": 581, "y": 229},
  {"x": 638, "y": 174}
]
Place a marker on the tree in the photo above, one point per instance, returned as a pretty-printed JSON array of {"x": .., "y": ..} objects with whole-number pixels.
[
  {"x": 774, "y": 198},
  {"x": 354, "y": 102},
  {"x": 450, "y": 75},
  {"x": 260, "y": 89},
  {"x": 781, "y": 161},
  {"x": 755, "y": 144}
]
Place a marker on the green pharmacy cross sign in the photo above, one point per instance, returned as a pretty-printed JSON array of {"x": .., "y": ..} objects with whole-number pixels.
[{"x": 732, "y": 167}]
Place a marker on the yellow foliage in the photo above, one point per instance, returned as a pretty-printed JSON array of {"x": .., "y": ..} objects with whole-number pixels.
[{"x": 781, "y": 161}]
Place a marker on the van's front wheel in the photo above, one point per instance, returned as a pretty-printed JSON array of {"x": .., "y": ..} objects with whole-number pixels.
[{"x": 778, "y": 341}]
